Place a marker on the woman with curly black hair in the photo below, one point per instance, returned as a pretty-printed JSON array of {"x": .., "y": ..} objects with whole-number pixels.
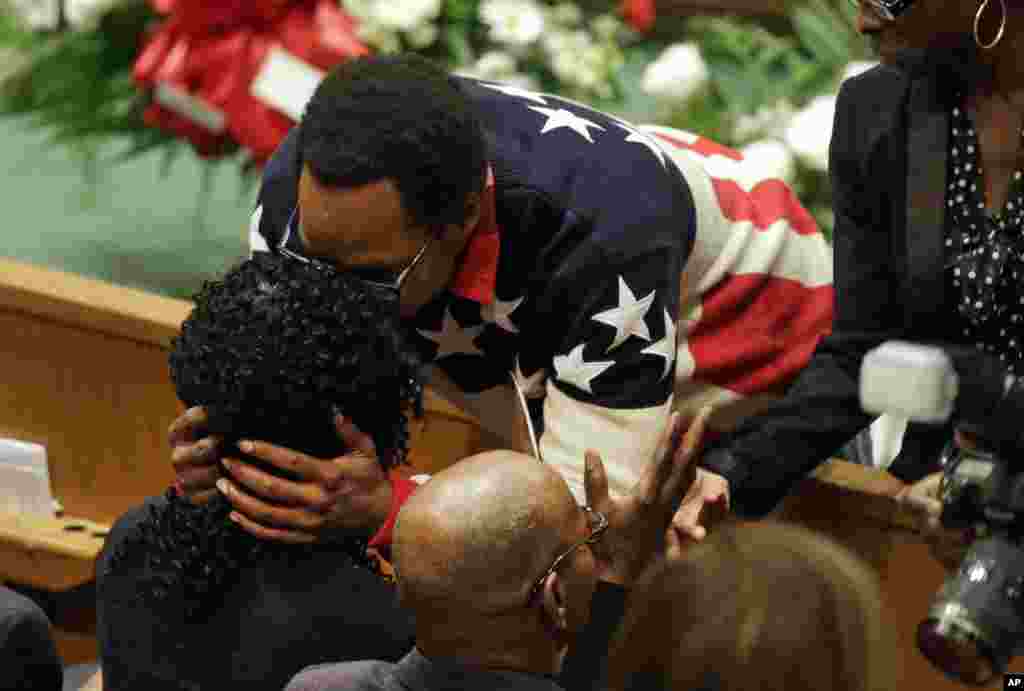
[{"x": 186, "y": 598}]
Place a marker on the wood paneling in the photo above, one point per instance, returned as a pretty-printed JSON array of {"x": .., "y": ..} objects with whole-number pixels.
[{"x": 85, "y": 374}]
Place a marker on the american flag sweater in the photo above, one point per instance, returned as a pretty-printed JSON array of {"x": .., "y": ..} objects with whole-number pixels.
[{"x": 619, "y": 272}]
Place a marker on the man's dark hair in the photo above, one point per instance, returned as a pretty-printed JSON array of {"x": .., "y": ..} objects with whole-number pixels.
[
  {"x": 272, "y": 351},
  {"x": 401, "y": 118}
]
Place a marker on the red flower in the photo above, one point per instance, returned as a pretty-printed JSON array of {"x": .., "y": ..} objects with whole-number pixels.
[{"x": 639, "y": 14}]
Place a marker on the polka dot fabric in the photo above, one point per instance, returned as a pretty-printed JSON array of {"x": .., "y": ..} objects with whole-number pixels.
[{"x": 985, "y": 251}]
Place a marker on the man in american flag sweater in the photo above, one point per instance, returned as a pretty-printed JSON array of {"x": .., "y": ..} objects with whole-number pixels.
[{"x": 549, "y": 258}]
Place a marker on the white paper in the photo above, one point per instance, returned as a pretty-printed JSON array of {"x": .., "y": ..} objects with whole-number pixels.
[
  {"x": 286, "y": 83},
  {"x": 25, "y": 479}
]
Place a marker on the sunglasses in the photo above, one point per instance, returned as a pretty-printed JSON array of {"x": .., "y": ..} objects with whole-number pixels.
[
  {"x": 382, "y": 279},
  {"x": 889, "y": 10}
]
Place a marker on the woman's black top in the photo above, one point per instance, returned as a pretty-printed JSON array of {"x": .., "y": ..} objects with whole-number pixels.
[
  {"x": 892, "y": 147},
  {"x": 284, "y": 613},
  {"x": 985, "y": 250}
]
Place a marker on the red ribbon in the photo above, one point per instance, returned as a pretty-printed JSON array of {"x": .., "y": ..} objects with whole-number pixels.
[
  {"x": 214, "y": 50},
  {"x": 200, "y": 17}
]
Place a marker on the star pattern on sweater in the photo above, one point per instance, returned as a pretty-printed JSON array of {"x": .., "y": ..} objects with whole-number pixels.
[
  {"x": 665, "y": 347},
  {"x": 627, "y": 317},
  {"x": 574, "y": 369},
  {"x": 558, "y": 118},
  {"x": 453, "y": 338}
]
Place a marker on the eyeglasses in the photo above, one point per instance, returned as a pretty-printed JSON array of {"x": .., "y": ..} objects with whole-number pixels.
[
  {"x": 889, "y": 10},
  {"x": 598, "y": 526},
  {"x": 383, "y": 279}
]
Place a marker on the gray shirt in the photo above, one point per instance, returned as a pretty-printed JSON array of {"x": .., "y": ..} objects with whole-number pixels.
[
  {"x": 415, "y": 672},
  {"x": 584, "y": 668}
]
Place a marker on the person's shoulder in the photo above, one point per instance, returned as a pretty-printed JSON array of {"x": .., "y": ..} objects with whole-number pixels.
[
  {"x": 285, "y": 160},
  {"x": 279, "y": 189},
  {"x": 883, "y": 83},
  {"x": 362, "y": 675},
  {"x": 18, "y": 612},
  {"x": 872, "y": 105},
  {"x": 570, "y": 151}
]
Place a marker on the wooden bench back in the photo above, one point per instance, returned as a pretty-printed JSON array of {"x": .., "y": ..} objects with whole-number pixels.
[{"x": 85, "y": 373}]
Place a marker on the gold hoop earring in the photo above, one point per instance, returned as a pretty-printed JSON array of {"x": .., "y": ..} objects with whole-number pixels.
[{"x": 977, "y": 26}]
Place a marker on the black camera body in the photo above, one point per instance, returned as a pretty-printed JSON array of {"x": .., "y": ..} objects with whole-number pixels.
[
  {"x": 982, "y": 487},
  {"x": 975, "y": 625}
]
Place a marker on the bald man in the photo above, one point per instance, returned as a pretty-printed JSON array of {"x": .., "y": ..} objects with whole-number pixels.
[{"x": 503, "y": 570}]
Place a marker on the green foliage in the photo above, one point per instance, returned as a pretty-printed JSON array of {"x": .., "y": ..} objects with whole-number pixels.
[
  {"x": 77, "y": 87},
  {"x": 753, "y": 68}
]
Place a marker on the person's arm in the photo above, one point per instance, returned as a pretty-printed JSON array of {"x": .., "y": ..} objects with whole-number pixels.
[
  {"x": 402, "y": 488},
  {"x": 639, "y": 532},
  {"x": 607, "y": 335},
  {"x": 766, "y": 455},
  {"x": 28, "y": 653}
]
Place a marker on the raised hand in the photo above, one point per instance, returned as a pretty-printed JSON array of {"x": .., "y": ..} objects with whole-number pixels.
[{"x": 640, "y": 524}]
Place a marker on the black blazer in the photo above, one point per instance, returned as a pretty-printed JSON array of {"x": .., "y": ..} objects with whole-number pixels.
[{"x": 887, "y": 164}]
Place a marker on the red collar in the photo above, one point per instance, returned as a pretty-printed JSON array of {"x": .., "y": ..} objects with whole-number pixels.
[{"x": 477, "y": 272}]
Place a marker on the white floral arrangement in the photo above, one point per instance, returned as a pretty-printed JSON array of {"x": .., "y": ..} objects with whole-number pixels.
[
  {"x": 520, "y": 37},
  {"x": 44, "y": 15}
]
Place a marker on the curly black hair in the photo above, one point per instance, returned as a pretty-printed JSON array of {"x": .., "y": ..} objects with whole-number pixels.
[
  {"x": 272, "y": 351},
  {"x": 402, "y": 118}
]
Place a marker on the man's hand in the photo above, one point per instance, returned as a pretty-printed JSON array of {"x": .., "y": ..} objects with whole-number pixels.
[
  {"x": 705, "y": 505},
  {"x": 337, "y": 497},
  {"x": 922, "y": 497},
  {"x": 194, "y": 455},
  {"x": 639, "y": 525}
]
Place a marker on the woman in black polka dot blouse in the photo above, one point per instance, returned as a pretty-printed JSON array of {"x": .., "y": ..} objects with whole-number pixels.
[{"x": 926, "y": 165}]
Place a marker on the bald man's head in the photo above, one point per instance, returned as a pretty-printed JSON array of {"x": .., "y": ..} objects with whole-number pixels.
[{"x": 480, "y": 531}]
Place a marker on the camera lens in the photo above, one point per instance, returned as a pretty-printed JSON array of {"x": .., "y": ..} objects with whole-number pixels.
[
  {"x": 952, "y": 644},
  {"x": 976, "y": 622}
]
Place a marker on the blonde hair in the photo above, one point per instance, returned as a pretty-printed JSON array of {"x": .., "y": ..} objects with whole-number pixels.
[{"x": 763, "y": 605}]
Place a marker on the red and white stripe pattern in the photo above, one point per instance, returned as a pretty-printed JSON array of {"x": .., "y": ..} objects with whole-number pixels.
[{"x": 757, "y": 291}]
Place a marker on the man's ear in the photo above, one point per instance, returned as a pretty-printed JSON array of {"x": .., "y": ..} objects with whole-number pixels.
[
  {"x": 554, "y": 603},
  {"x": 456, "y": 235},
  {"x": 474, "y": 209}
]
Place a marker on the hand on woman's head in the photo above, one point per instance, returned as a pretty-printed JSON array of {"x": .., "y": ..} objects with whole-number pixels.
[{"x": 272, "y": 351}]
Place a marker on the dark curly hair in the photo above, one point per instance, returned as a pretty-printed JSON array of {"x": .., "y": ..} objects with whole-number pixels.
[
  {"x": 401, "y": 118},
  {"x": 272, "y": 351}
]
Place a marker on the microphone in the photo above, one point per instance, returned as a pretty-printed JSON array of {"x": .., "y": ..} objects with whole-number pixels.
[{"x": 933, "y": 384}]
